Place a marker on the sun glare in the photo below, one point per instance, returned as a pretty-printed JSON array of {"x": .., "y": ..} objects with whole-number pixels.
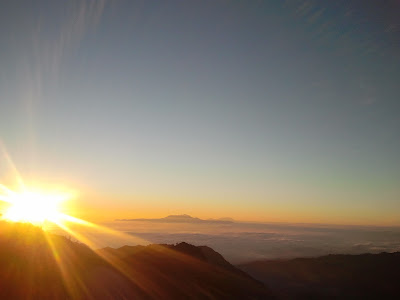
[{"x": 34, "y": 207}]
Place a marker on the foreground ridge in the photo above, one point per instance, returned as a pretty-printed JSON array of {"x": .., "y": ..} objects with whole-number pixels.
[
  {"x": 37, "y": 265},
  {"x": 335, "y": 276}
]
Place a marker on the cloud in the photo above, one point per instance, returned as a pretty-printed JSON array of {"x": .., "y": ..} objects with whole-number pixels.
[{"x": 242, "y": 242}]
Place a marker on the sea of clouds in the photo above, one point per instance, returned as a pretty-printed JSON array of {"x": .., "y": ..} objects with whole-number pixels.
[{"x": 241, "y": 242}]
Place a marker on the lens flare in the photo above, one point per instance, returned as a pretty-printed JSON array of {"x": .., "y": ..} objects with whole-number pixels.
[
  {"x": 40, "y": 205},
  {"x": 34, "y": 207}
]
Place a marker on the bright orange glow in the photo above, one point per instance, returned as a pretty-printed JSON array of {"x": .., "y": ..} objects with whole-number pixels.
[{"x": 34, "y": 207}]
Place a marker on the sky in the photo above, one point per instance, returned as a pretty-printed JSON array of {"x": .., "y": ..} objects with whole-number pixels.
[{"x": 283, "y": 111}]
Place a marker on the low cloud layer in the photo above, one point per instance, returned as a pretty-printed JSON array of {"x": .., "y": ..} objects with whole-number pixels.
[{"x": 242, "y": 242}]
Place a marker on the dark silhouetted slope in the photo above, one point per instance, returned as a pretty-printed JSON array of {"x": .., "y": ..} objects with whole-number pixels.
[
  {"x": 366, "y": 276},
  {"x": 35, "y": 265},
  {"x": 184, "y": 270}
]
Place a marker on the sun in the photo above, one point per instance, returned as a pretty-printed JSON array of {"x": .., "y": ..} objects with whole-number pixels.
[{"x": 34, "y": 207}]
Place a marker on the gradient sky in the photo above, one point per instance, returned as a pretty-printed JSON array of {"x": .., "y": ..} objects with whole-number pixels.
[{"x": 257, "y": 110}]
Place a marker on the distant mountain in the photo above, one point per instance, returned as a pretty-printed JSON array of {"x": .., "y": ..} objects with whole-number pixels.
[
  {"x": 36, "y": 265},
  {"x": 227, "y": 219},
  {"x": 182, "y": 219},
  {"x": 366, "y": 276}
]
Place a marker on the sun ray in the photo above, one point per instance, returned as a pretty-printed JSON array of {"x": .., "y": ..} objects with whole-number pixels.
[
  {"x": 12, "y": 166},
  {"x": 61, "y": 264},
  {"x": 29, "y": 205},
  {"x": 145, "y": 285},
  {"x": 106, "y": 230},
  {"x": 33, "y": 207},
  {"x": 6, "y": 190},
  {"x": 4, "y": 199},
  {"x": 80, "y": 237}
]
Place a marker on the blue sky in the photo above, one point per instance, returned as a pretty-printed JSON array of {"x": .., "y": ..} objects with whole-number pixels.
[{"x": 278, "y": 110}]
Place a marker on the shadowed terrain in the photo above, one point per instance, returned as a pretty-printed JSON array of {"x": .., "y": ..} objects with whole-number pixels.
[
  {"x": 37, "y": 265},
  {"x": 365, "y": 276}
]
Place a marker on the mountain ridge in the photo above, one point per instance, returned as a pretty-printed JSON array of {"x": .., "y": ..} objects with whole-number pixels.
[
  {"x": 334, "y": 276},
  {"x": 182, "y": 219},
  {"x": 38, "y": 265}
]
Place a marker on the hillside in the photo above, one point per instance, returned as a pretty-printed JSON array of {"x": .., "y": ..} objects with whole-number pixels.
[
  {"x": 366, "y": 276},
  {"x": 35, "y": 265}
]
